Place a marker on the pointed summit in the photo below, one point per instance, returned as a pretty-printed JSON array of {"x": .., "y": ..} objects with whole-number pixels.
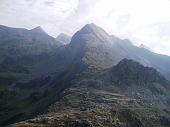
[
  {"x": 144, "y": 47},
  {"x": 91, "y": 34},
  {"x": 38, "y": 29},
  {"x": 93, "y": 28},
  {"x": 63, "y": 38}
]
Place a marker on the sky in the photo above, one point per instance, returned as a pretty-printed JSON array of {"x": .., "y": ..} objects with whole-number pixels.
[{"x": 141, "y": 21}]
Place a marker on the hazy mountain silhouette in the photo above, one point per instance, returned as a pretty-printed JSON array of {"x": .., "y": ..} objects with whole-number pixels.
[{"x": 63, "y": 38}]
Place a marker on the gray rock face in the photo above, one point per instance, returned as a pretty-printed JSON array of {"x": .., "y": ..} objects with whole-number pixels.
[
  {"x": 21, "y": 42},
  {"x": 102, "y": 51},
  {"x": 143, "y": 83},
  {"x": 128, "y": 71},
  {"x": 21, "y": 49}
]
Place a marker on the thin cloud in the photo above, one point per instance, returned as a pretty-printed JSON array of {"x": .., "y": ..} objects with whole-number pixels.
[{"x": 49, "y": 3}]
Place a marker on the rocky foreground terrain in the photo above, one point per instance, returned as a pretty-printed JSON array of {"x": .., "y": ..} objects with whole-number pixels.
[{"x": 105, "y": 101}]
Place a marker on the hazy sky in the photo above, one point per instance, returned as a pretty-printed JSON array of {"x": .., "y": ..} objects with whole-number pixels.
[{"x": 141, "y": 21}]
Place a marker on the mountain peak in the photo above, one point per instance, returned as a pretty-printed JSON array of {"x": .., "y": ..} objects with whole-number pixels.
[
  {"x": 92, "y": 32},
  {"x": 91, "y": 25},
  {"x": 132, "y": 71},
  {"x": 92, "y": 28},
  {"x": 144, "y": 47},
  {"x": 38, "y": 29},
  {"x": 63, "y": 38},
  {"x": 63, "y": 35}
]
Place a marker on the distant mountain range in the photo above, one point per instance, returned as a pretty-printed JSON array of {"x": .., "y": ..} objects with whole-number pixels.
[
  {"x": 63, "y": 38},
  {"x": 25, "y": 42},
  {"x": 91, "y": 79}
]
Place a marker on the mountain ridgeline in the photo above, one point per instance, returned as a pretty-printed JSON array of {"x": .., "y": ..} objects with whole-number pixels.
[{"x": 90, "y": 80}]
